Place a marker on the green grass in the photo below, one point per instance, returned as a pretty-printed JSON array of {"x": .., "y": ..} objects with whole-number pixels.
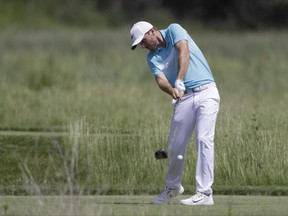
[
  {"x": 82, "y": 162},
  {"x": 89, "y": 85},
  {"x": 139, "y": 205}
]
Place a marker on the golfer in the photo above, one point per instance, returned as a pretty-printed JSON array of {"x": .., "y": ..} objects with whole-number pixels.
[{"x": 181, "y": 70}]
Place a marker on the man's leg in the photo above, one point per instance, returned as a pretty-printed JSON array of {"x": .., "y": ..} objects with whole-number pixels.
[
  {"x": 182, "y": 124},
  {"x": 207, "y": 110},
  {"x": 207, "y": 103}
]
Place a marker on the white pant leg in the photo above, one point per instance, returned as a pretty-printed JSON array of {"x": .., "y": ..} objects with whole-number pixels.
[
  {"x": 182, "y": 124},
  {"x": 207, "y": 106},
  {"x": 201, "y": 107}
]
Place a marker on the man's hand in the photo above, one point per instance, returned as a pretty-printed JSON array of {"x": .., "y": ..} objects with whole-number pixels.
[
  {"x": 176, "y": 94},
  {"x": 179, "y": 85}
]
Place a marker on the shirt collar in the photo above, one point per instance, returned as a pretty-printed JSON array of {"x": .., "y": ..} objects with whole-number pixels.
[{"x": 163, "y": 33}]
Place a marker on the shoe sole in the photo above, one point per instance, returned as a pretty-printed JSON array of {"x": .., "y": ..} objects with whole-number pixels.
[{"x": 194, "y": 204}]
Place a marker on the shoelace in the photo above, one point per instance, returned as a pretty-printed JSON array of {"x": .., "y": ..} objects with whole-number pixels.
[{"x": 166, "y": 192}]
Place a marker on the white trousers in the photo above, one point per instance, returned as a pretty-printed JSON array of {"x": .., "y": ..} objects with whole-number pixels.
[{"x": 196, "y": 109}]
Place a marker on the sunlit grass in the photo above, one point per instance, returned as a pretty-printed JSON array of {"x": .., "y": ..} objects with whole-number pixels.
[{"x": 89, "y": 85}]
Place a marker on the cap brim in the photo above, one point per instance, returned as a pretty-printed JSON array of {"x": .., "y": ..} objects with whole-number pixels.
[{"x": 136, "y": 42}]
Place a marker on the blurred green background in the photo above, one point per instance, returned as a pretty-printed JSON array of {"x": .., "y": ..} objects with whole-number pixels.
[{"x": 258, "y": 14}]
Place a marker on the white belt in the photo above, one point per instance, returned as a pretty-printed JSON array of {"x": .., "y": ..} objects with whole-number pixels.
[{"x": 200, "y": 88}]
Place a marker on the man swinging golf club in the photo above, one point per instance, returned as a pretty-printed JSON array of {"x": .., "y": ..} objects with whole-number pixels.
[{"x": 181, "y": 70}]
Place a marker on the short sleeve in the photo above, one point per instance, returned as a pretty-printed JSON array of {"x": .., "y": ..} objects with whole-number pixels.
[{"x": 177, "y": 33}]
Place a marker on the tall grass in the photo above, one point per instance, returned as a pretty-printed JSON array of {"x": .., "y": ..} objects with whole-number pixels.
[{"x": 89, "y": 84}]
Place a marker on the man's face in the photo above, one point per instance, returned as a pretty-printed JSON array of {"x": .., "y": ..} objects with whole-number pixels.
[{"x": 149, "y": 41}]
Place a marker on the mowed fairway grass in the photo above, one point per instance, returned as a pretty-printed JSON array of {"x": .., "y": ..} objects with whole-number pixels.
[{"x": 140, "y": 205}]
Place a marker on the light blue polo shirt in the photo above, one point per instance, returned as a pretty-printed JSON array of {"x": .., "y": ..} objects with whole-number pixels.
[{"x": 165, "y": 60}]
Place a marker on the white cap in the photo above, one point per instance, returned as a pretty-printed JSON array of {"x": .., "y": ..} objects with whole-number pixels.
[{"x": 138, "y": 31}]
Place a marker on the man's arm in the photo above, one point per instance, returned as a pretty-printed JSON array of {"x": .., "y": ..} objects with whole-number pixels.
[
  {"x": 183, "y": 63},
  {"x": 183, "y": 58},
  {"x": 165, "y": 86}
]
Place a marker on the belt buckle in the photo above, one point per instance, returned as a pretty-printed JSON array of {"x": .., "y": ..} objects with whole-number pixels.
[{"x": 187, "y": 91}]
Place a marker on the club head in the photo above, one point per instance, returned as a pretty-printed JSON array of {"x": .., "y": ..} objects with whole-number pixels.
[{"x": 161, "y": 154}]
